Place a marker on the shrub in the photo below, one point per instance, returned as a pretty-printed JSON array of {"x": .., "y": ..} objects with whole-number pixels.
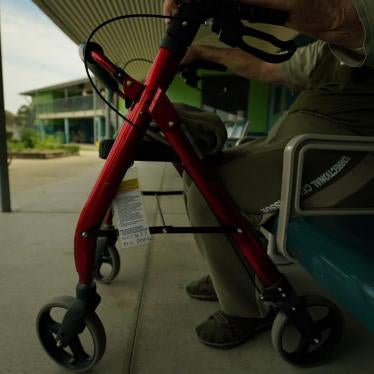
[
  {"x": 15, "y": 146},
  {"x": 49, "y": 143},
  {"x": 30, "y": 140},
  {"x": 29, "y": 137}
]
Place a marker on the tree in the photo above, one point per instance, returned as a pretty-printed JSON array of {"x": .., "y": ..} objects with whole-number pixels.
[
  {"x": 11, "y": 122},
  {"x": 25, "y": 116},
  {"x": 11, "y": 119}
]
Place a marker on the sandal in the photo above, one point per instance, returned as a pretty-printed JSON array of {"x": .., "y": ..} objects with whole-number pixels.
[
  {"x": 202, "y": 289},
  {"x": 221, "y": 330}
]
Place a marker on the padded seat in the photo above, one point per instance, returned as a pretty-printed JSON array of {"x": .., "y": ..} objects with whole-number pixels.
[{"x": 339, "y": 253}]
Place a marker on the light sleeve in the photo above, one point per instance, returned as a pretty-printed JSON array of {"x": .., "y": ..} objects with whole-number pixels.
[
  {"x": 365, "y": 54},
  {"x": 298, "y": 69}
]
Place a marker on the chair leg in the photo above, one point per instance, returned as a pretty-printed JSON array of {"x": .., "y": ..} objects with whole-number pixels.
[{"x": 271, "y": 249}]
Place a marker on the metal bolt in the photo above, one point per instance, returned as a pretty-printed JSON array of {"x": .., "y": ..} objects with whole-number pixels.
[
  {"x": 184, "y": 23},
  {"x": 280, "y": 289},
  {"x": 293, "y": 309},
  {"x": 316, "y": 340},
  {"x": 171, "y": 124},
  {"x": 129, "y": 83},
  {"x": 59, "y": 343},
  {"x": 239, "y": 231},
  {"x": 284, "y": 295},
  {"x": 84, "y": 234},
  {"x": 262, "y": 298},
  {"x": 165, "y": 230}
]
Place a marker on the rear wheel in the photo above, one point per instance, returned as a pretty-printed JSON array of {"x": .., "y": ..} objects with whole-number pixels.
[
  {"x": 107, "y": 261},
  {"x": 297, "y": 349}
]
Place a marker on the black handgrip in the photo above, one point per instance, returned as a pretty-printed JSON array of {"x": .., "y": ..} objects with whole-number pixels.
[
  {"x": 256, "y": 14},
  {"x": 227, "y": 23},
  {"x": 205, "y": 65},
  {"x": 273, "y": 58},
  {"x": 287, "y": 48},
  {"x": 100, "y": 73},
  {"x": 189, "y": 71}
]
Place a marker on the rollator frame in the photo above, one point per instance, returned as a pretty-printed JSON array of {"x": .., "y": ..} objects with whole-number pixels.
[{"x": 149, "y": 102}]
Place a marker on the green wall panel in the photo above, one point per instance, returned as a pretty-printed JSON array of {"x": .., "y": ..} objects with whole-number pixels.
[
  {"x": 258, "y": 106},
  {"x": 121, "y": 106},
  {"x": 179, "y": 92}
]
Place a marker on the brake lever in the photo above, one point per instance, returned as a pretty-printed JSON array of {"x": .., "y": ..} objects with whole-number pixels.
[
  {"x": 287, "y": 48},
  {"x": 232, "y": 34},
  {"x": 189, "y": 71},
  {"x": 231, "y": 31}
]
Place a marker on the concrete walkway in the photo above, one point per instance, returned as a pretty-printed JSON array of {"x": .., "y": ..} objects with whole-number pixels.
[{"x": 148, "y": 318}]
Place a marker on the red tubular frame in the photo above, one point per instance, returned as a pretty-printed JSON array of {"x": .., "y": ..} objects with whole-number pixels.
[{"x": 153, "y": 103}]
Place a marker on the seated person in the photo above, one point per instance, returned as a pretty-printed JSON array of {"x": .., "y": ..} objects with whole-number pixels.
[{"x": 334, "y": 99}]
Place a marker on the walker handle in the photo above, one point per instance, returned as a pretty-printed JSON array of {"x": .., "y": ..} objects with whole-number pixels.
[
  {"x": 189, "y": 71},
  {"x": 99, "y": 72}
]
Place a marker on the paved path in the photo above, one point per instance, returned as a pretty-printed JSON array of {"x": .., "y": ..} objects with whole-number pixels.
[{"x": 148, "y": 318}]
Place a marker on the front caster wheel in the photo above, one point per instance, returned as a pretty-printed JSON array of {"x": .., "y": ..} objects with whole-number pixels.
[
  {"x": 107, "y": 261},
  {"x": 84, "y": 351},
  {"x": 297, "y": 349}
]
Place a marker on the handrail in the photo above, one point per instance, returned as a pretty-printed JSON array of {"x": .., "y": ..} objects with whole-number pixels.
[{"x": 70, "y": 104}]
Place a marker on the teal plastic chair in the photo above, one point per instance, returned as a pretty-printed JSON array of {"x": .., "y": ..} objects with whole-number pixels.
[{"x": 336, "y": 246}]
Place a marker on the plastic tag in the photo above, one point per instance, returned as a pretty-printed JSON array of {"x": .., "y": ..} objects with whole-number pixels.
[{"x": 129, "y": 209}]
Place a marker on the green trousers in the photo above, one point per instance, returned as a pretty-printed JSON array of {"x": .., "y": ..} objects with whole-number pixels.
[{"x": 251, "y": 173}]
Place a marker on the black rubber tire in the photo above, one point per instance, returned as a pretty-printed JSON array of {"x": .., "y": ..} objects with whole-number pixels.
[
  {"x": 106, "y": 254},
  {"x": 309, "y": 354},
  {"x": 46, "y": 328}
]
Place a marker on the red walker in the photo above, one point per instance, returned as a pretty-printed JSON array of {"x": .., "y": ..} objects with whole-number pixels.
[{"x": 150, "y": 103}]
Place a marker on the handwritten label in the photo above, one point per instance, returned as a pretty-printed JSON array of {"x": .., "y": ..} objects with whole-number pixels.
[{"x": 129, "y": 209}]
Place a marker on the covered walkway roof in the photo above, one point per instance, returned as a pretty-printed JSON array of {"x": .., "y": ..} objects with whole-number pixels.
[{"x": 125, "y": 39}]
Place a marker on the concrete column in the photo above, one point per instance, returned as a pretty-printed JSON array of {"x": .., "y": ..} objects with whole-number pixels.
[
  {"x": 94, "y": 129},
  {"x": 99, "y": 130},
  {"x": 41, "y": 130},
  {"x": 4, "y": 175},
  {"x": 94, "y": 105},
  {"x": 67, "y": 130},
  {"x": 108, "y": 125},
  {"x": 66, "y": 121},
  {"x": 118, "y": 118}
]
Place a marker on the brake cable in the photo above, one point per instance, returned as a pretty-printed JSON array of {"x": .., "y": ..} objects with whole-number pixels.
[{"x": 220, "y": 26}]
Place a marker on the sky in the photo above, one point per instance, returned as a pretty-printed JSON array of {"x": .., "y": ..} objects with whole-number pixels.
[{"x": 35, "y": 52}]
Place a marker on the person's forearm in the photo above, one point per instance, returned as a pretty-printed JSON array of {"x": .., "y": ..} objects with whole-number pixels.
[
  {"x": 241, "y": 63},
  {"x": 333, "y": 21}
]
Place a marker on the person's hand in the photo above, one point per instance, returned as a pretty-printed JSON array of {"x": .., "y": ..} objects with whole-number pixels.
[
  {"x": 170, "y": 7},
  {"x": 336, "y": 22},
  {"x": 193, "y": 54}
]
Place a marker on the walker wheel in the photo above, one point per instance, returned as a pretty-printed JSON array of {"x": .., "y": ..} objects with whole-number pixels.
[
  {"x": 107, "y": 261},
  {"x": 303, "y": 352},
  {"x": 84, "y": 351}
]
